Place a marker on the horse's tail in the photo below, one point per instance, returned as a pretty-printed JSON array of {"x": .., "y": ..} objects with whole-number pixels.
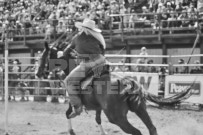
[
  {"x": 136, "y": 92},
  {"x": 170, "y": 101}
]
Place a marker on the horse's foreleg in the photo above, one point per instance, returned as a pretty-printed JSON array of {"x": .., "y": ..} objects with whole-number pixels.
[
  {"x": 70, "y": 129},
  {"x": 144, "y": 116},
  {"x": 98, "y": 120}
]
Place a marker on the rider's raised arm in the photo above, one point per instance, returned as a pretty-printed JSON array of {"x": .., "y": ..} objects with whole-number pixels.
[{"x": 69, "y": 48}]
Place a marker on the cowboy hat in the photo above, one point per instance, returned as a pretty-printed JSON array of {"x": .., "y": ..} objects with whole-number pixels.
[{"x": 87, "y": 23}]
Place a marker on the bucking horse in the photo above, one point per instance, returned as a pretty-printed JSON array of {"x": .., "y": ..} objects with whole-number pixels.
[{"x": 105, "y": 92}]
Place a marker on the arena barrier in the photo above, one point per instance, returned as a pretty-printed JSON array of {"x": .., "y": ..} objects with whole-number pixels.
[{"x": 150, "y": 81}]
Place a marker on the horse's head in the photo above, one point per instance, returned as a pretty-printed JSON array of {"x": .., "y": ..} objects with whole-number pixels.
[
  {"x": 49, "y": 53},
  {"x": 53, "y": 54}
]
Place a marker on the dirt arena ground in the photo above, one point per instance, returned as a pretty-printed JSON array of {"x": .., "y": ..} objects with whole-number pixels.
[{"x": 38, "y": 118}]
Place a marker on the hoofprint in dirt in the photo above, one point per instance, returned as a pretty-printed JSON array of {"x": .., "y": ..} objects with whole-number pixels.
[{"x": 37, "y": 118}]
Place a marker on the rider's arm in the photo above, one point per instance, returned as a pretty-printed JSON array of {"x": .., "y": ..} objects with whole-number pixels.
[
  {"x": 68, "y": 49},
  {"x": 102, "y": 48}
]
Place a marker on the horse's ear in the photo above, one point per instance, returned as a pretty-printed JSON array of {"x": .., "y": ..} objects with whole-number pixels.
[{"x": 46, "y": 45}]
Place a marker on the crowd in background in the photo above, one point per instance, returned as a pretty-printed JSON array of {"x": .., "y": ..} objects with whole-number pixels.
[
  {"x": 48, "y": 16},
  {"x": 172, "y": 13},
  {"x": 40, "y": 16}
]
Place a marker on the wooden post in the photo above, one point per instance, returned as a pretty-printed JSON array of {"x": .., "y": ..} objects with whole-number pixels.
[
  {"x": 32, "y": 54},
  {"x": 170, "y": 66},
  {"x": 201, "y": 49},
  {"x": 164, "y": 52},
  {"x": 6, "y": 86},
  {"x": 122, "y": 28},
  {"x": 111, "y": 25},
  {"x": 24, "y": 37},
  {"x": 128, "y": 51},
  {"x": 160, "y": 27}
]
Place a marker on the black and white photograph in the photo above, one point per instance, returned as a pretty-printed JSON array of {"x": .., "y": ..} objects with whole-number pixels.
[{"x": 101, "y": 67}]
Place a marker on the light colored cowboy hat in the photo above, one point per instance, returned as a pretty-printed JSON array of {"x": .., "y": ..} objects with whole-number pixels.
[{"x": 87, "y": 23}]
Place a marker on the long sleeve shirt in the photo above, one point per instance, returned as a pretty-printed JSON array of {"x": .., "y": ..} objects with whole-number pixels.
[{"x": 85, "y": 45}]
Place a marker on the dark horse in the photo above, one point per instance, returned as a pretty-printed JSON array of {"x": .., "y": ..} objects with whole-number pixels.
[{"x": 107, "y": 97}]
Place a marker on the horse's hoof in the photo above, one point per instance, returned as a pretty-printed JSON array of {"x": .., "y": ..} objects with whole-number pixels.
[{"x": 71, "y": 132}]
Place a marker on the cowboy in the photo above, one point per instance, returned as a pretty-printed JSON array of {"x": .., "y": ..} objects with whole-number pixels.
[
  {"x": 16, "y": 69},
  {"x": 89, "y": 45},
  {"x": 182, "y": 69}
]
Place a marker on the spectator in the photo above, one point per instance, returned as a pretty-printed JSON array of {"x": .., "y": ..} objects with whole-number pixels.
[
  {"x": 173, "y": 4},
  {"x": 168, "y": 7},
  {"x": 153, "y": 5},
  {"x": 184, "y": 22},
  {"x": 49, "y": 32},
  {"x": 179, "y": 8},
  {"x": 143, "y": 53},
  {"x": 185, "y": 4},
  {"x": 27, "y": 25},
  {"x": 160, "y": 7},
  {"x": 193, "y": 19},
  {"x": 18, "y": 28},
  {"x": 117, "y": 20},
  {"x": 196, "y": 69},
  {"x": 151, "y": 69},
  {"x": 61, "y": 28},
  {"x": 155, "y": 24},
  {"x": 139, "y": 68},
  {"x": 192, "y": 8},
  {"x": 164, "y": 17},
  {"x": 194, "y": 3},
  {"x": 181, "y": 69},
  {"x": 172, "y": 20},
  {"x": 141, "y": 60},
  {"x": 133, "y": 18},
  {"x": 34, "y": 69},
  {"x": 121, "y": 68},
  {"x": 10, "y": 30},
  {"x": 16, "y": 69},
  {"x": 126, "y": 19},
  {"x": 145, "y": 17}
]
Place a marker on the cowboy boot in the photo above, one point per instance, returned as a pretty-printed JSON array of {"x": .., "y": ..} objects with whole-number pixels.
[{"x": 75, "y": 111}]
